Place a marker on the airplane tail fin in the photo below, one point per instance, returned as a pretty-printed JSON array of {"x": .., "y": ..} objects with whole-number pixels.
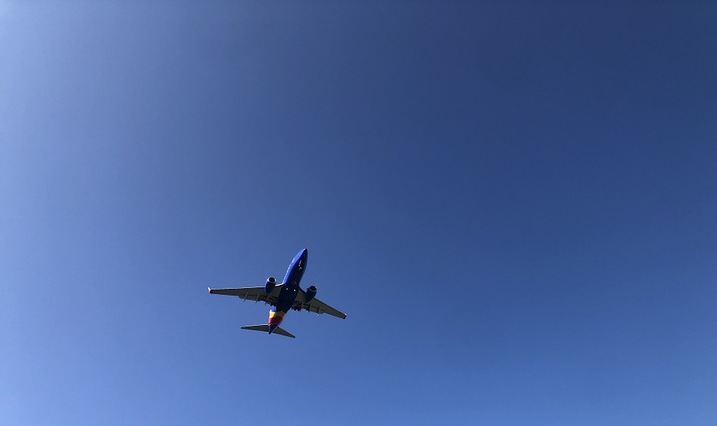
[{"x": 265, "y": 328}]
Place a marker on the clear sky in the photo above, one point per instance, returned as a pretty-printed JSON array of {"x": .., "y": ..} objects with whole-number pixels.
[{"x": 514, "y": 203}]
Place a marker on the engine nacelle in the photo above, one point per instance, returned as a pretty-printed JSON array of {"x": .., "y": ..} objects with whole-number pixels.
[
  {"x": 310, "y": 293},
  {"x": 270, "y": 284}
]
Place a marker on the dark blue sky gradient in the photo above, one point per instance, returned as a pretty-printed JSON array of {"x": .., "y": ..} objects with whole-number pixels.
[{"x": 514, "y": 202}]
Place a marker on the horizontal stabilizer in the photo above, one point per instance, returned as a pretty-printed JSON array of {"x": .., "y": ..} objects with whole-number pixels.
[{"x": 265, "y": 328}]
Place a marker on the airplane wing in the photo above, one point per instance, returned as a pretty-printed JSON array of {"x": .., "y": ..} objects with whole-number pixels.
[
  {"x": 256, "y": 294},
  {"x": 315, "y": 305}
]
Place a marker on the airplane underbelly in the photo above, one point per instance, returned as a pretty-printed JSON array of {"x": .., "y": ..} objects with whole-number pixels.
[{"x": 286, "y": 297}]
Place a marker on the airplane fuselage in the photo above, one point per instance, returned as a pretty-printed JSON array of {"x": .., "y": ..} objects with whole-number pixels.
[{"x": 289, "y": 290}]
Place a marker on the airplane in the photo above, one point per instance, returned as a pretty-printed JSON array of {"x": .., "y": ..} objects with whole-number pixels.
[{"x": 284, "y": 296}]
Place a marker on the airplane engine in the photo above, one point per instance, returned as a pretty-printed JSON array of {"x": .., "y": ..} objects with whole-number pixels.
[
  {"x": 310, "y": 293},
  {"x": 270, "y": 284}
]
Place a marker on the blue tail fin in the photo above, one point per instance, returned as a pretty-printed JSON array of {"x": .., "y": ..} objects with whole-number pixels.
[{"x": 265, "y": 328}]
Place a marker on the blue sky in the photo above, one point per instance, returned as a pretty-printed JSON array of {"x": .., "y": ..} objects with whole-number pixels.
[{"x": 514, "y": 203}]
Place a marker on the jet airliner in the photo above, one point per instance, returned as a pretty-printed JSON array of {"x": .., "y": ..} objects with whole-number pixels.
[{"x": 282, "y": 297}]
